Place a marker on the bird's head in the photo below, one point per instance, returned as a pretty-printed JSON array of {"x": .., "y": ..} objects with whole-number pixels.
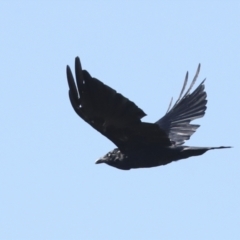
[{"x": 115, "y": 159}]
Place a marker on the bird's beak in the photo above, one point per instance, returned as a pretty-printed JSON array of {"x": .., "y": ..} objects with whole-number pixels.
[{"x": 99, "y": 161}]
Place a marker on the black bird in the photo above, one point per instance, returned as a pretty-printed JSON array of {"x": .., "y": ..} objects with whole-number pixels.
[{"x": 140, "y": 144}]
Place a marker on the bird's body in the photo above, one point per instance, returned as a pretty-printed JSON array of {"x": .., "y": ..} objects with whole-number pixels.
[
  {"x": 151, "y": 156},
  {"x": 142, "y": 157},
  {"x": 140, "y": 144}
]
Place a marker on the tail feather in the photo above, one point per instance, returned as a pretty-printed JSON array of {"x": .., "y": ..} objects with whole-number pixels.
[
  {"x": 202, "y": 148},
  {"x": 196, "y": 151}
]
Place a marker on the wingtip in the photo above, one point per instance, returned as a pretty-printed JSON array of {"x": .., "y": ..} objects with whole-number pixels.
[
  {"x": 67, "y": 68},
  {"x": 78, "y": 65},
  {"x": 203, "y": 81},
  {"x": 69, "y": 76},
  {"x": 78, "y": 72},
  {"x": 77, "y": 59},
  {"x": 71, "y": 82}
]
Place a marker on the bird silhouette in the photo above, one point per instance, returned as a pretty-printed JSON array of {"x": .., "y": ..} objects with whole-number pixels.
[{"x": 139, "y": 144}]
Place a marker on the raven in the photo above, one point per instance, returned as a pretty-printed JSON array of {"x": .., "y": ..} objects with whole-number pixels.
[{"x": 139, "y": 144}]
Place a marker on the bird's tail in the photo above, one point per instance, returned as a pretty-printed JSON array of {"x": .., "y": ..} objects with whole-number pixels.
[{"x": 196, "y": 151}]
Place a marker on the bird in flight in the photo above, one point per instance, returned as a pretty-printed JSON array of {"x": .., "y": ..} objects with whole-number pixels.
[{"x": 139, "y": 144}]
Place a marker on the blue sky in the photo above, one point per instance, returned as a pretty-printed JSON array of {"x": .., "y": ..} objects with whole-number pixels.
[{"x": 50, "y": 187}]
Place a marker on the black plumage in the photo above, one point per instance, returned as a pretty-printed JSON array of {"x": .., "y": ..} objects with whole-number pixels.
[{"x": 139, "y": 144}]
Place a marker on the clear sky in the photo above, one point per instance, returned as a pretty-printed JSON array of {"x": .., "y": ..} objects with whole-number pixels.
[{"x": 50, "y": 187}]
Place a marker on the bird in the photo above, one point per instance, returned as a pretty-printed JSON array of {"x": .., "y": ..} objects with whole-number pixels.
[{"x": 138, "y": 144}]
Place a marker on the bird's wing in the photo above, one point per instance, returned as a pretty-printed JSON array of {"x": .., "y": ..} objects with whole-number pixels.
[
  {"x": 109, "y": 112},
  {"x": 188, "y": 107}
]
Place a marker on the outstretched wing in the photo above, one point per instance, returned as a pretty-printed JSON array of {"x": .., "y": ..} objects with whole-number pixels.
[
  {"x": 110, "y": 113},
  {"x": 177, "y": 120}
]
